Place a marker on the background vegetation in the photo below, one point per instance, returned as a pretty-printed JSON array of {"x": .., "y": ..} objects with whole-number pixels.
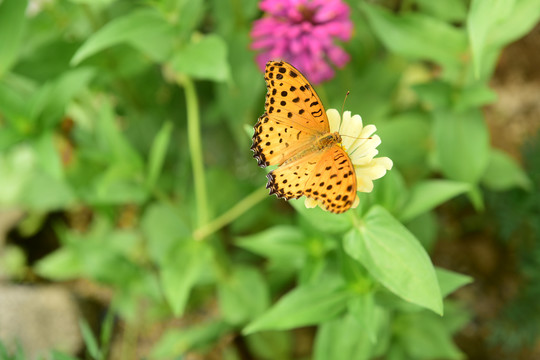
[{"x": 125, "y": 129}]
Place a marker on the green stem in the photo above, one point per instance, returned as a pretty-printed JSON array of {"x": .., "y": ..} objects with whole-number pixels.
[
  {"x": 195, "y": 149},
  {"x": 232, "y": 214}
]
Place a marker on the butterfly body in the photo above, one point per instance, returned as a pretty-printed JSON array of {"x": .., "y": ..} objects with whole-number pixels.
[
  {"x": 294, "y": 133},
  {"x": 328, "y": 140},
  {"x": 319, "y": 144}
]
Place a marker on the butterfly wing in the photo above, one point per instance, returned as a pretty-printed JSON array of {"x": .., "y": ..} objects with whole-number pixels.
[
  {"x": 294, "y": 116},
  {"x": 333, "y": 180},
  {"x": 276, "y": 140},
  {"x": 325, "y": 175},
  {"x": 290, "y": 96},
  {"x": 289, "y": 180}
]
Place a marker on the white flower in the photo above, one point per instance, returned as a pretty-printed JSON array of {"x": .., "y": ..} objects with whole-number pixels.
[
  {"x": 361, "y": 146},
  {"x": 34, "y": 7}
]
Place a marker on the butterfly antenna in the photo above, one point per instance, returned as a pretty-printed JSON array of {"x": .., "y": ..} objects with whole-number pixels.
[
  {"x": 357, "y": 138},
  {"x": 343, "y": 106}
]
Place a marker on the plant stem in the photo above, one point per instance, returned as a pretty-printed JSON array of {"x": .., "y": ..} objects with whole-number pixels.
[
  {"x": 233, "y": 213},
  {"x": 195, "y": 149}
]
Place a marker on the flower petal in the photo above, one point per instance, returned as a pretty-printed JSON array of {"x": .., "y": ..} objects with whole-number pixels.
[
  {"x": 363, "y": 183},
  {"x": 334, "y": 119},
  {"x": 364, "y": 150},
  {"x": 310, "y": 203},
  {"x": 367, "y": 131},
  {"x": 386, "y": 162},
  {"x": 362, "y": 158},
  {"x": 356, "y": 202},
  {"x": 375, "y": 169},
  {"x": 303, "y": 32},
  {"x": 350, "y": 128}
]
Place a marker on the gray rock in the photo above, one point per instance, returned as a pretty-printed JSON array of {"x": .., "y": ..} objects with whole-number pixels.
[{"x": 40, "y": 318}]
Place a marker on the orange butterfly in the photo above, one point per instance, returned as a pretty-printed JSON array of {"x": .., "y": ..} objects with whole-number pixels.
[{"x": 294, "y": 134}]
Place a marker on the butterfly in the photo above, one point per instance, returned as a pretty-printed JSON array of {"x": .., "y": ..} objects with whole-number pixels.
[{"x": 294, "y": 133}]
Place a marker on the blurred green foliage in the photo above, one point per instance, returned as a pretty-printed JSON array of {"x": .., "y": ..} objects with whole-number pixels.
[
  {"x": 115, "y": 105},
  {"x": 517, "y": 213}
]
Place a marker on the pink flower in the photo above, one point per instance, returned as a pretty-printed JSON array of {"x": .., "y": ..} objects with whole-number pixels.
[{"x": 302, "y": 32}]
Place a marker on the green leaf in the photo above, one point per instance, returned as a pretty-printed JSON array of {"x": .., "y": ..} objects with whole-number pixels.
[
  {"x": 270, "y": 345},
  {"x": 48, "y": 155},
  {"x": 118, "y": 184},
  {"x": 17, "y": 167},
  {"x": 312, "y": 270},
  {"x": 15, "y": 90},
  {"x": 13, "y": 261},
  {"x": 44, "y": 192},
  {"x": 356, "y": 276},
  {"x": 395, "y": 258},
  {"x": 103, "y": 255},
  {"x": 116, "y": 170},
  {"x": 223, "y": 12},
  {"x": 442, "y": 95},
  {"x": 389, "y": 192},
  {"x": 474, "y": 95},
  {"x": 406, "y": 140},
  {"x": 12, "y": 19},
  {"x": 89, "y": 339},
  {"x": 448, "y": 10},
  {"x": 144, "y": 29},
  {"x": 50, "y": 102},
  {"x": 47, "y": 188},
  {"x": 343, "y": 338},
  {"x": 367, "y": 313},
  {"x": 425, "y": 228},
  {"x": 417, "y": 36},
  {"x": 243, "y": 295},
  {"x": 483, "y": 16},
  {"x": 324, "y": 221},
  {"x": 185, "y": 14},
  {"x": 476, "y": 197},
  {"x": 518, "y": 22},
  {"x": 428, "y": 194},
  {"x": 492, "y": 25},
  {"x": 280, "y": 243},
  {"x": 424, "y": 336},
  {"x": 435, "y": 94},
  {"x": 462, "y": 144},
  {"x": 450, "y": 281},
  {"x": 305, "y": 305},
  {"x": 205, "y": 59},
  {"x": 158, "y": 152},
  {"x": 96, "y": 3},
  {"x": 369, "y": 82},
  {"x": 63, "y": 264},
  {"x": 181, "y": 271},
  {"x": 174, "y": 342},
  {"x": 111, "y": 141},
  {"x": 106, "y": 332},
  {"x": 504, "y": 173},
  {"x": 163, "y": 227}
]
